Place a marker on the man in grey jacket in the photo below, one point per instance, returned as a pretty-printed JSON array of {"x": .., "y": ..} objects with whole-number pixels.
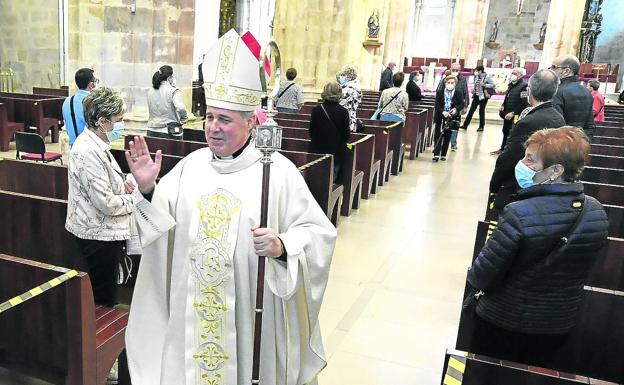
[{"x": 386, "y": 77}]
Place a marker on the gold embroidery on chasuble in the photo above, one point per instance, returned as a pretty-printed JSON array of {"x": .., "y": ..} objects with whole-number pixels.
[{"x": 212, "y": 270}]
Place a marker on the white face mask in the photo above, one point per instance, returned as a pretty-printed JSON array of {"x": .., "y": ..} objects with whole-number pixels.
[
  {"x": 513, "y": 78},
  {"x": 450, "y": 87},
  {"x": 454, "y": 73}
]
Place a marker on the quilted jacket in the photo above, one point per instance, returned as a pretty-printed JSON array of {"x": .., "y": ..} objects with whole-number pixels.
[{"x": 525, "y": 291}]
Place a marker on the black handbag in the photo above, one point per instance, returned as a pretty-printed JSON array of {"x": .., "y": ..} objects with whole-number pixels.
[{"x": 174, "y": 128}]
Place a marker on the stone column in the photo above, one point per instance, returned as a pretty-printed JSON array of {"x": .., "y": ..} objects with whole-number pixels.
[
  {"x": 564, "y": 29},
  {"x": 469, "y": 28}
]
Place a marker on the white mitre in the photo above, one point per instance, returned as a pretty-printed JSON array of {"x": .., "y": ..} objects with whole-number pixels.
[{"x": 231, "y": 75}]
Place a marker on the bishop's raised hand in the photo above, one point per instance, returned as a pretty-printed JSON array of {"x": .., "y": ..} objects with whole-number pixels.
[{"x": 144, "y": 169}]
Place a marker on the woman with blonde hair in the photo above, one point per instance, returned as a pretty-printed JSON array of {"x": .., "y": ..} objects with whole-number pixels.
[
  {"x": 351, "y": 93},
  {"x": 100, "y": 201}
]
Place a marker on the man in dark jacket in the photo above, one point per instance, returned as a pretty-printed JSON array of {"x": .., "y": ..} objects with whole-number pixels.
[
  {"x": 573, "y": 100},
  {"x": 542, "y": 87},
  {"x": 515, "y": 102},
  {"x": 386, "y": 77}
]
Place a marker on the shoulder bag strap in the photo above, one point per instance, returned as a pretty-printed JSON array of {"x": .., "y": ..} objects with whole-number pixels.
[
  {"x": 328, "y": 118},
  {"x": 73, "y": 115},
  {"x": 564, "y": 239},
  {"x": 390, "y": 101},
  {"x": 286, "y": 89}
]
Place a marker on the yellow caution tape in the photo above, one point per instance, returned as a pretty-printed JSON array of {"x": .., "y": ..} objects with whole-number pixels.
[
  {"x": 455, "y": 369},
  {"x": 37, "y": 290}
]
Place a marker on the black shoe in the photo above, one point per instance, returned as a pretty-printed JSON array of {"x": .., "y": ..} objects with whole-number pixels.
[
  {"x": 480, "y": 129},
  {"x": 436, "y": 158},
  {"x": 463, "y": 128},
  {"x": 453, "y": 148},
  {"x": 443, "y": 159}
]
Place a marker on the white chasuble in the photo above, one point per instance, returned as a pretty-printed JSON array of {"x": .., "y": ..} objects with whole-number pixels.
[{"x": 192, "y": 313}]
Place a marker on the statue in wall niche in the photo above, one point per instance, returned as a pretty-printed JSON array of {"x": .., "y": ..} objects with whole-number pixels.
[
  {"x": 542, "y": 34},
  {"x": 494, "y": 31},
  {"x": 373, "y": 26}
]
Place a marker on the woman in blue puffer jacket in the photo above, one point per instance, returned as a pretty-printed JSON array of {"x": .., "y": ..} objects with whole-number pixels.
[{"x": 531, "y": 280}]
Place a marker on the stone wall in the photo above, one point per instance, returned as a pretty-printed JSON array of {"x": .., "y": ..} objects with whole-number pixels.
[
  {"x": 29, "y": 42},
  {"x": 469, "y": 27},
  {"x": 519, "y": 32},
  {"x": 319, "y": 37},
  {"x": 125, "y": 48}
]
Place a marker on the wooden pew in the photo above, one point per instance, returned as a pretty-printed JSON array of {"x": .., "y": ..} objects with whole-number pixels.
[
  {"x": 604, "y": 149},
  {"x": 603, "y": 175},
  {"x": 59, "y": 335},
  {"x": 365, "y": 159},
  {"x": 318, "y": 171},
  {"x": 480, "y": 370},
  {"x": 7, "y": 128},
  {"x": 606, "y": 161},
  {"x": 64, "y": 92},
  {"x": 609, "y": 140},
  {"x": 605, "y": 193},
  {"x": 52, "y": 105},
  {"x": 45, "y": 180},
  {"x": 597, "y": 340},
  {"x": 396, "y": 135},
  {"x": 383, "y": 150},
  {"x": 350, "y": 178},
  {"x": 31, "y": 113}
]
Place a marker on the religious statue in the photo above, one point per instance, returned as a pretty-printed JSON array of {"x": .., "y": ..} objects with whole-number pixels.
[
  {"x": 494, "y": 32},
  {"x": 373, "y": 26},
  {"x": 590, "y": 29},
  {"x": 542, "y": 34}
]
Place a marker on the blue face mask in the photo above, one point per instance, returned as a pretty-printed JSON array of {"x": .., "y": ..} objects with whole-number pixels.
[
  {"x": 342, "y": 80},
  {"x": 524, "y": 175},
  {"x": 115, "y": 134}
]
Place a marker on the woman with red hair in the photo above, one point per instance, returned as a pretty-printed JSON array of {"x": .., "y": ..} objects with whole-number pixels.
[{"x": 532, "y": 269}]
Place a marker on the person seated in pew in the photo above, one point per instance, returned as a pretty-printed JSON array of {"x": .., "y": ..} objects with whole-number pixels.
[
  {"x": 289, "y": 97},
  {"x": 193, "y": 298},
  {"x": 100, "y": 201},
  {"x": 167, "y": 112},
  {"x": 533, "y": 267},
  {"x": 73, "y": 113},
  {"x": 449, "y": 104},
  {"x": 351, "y": 93},
  {"x": 412, "y": 89},
  {"x": 329, "y": 126},
  {"x": 542, "y": 87},
  {"x": 394, "y": 102},
  {"x": 599, "y": 102}
]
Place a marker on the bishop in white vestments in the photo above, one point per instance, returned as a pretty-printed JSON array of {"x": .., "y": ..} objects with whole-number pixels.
[{"x": 192, "y": 314}]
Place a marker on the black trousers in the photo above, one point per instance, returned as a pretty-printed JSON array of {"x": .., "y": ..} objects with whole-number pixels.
[
  {"x": 535, "y": 349},
  {"x": 473, "y": 106},
  {"x": 441, "y": 139},
  {"x": 507, "y": 126},
  {"x": 103, "y": 260}
]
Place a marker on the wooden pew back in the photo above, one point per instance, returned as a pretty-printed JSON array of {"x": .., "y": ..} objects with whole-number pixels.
[
  {"x": 47, "y": 334},
  {"x": 45, "y": 180}
]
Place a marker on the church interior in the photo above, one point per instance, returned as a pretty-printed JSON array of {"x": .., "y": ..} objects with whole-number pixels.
[{"x": 412, "y": 220}]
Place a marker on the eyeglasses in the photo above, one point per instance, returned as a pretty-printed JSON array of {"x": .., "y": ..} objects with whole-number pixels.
[
  {"x": 95, "y": 80},
  {"x": 553, "y": 67}
]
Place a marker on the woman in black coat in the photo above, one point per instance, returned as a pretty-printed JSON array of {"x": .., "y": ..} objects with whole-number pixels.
[
  {"x": 448, "y": 107},
  {"x": 329, "y": 126},
  {"x": 412, "y": 89},
  {"x": 532, "y": 280}
]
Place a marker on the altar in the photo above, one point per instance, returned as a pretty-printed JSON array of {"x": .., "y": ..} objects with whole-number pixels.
[{"x": 432, "y": 76}]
